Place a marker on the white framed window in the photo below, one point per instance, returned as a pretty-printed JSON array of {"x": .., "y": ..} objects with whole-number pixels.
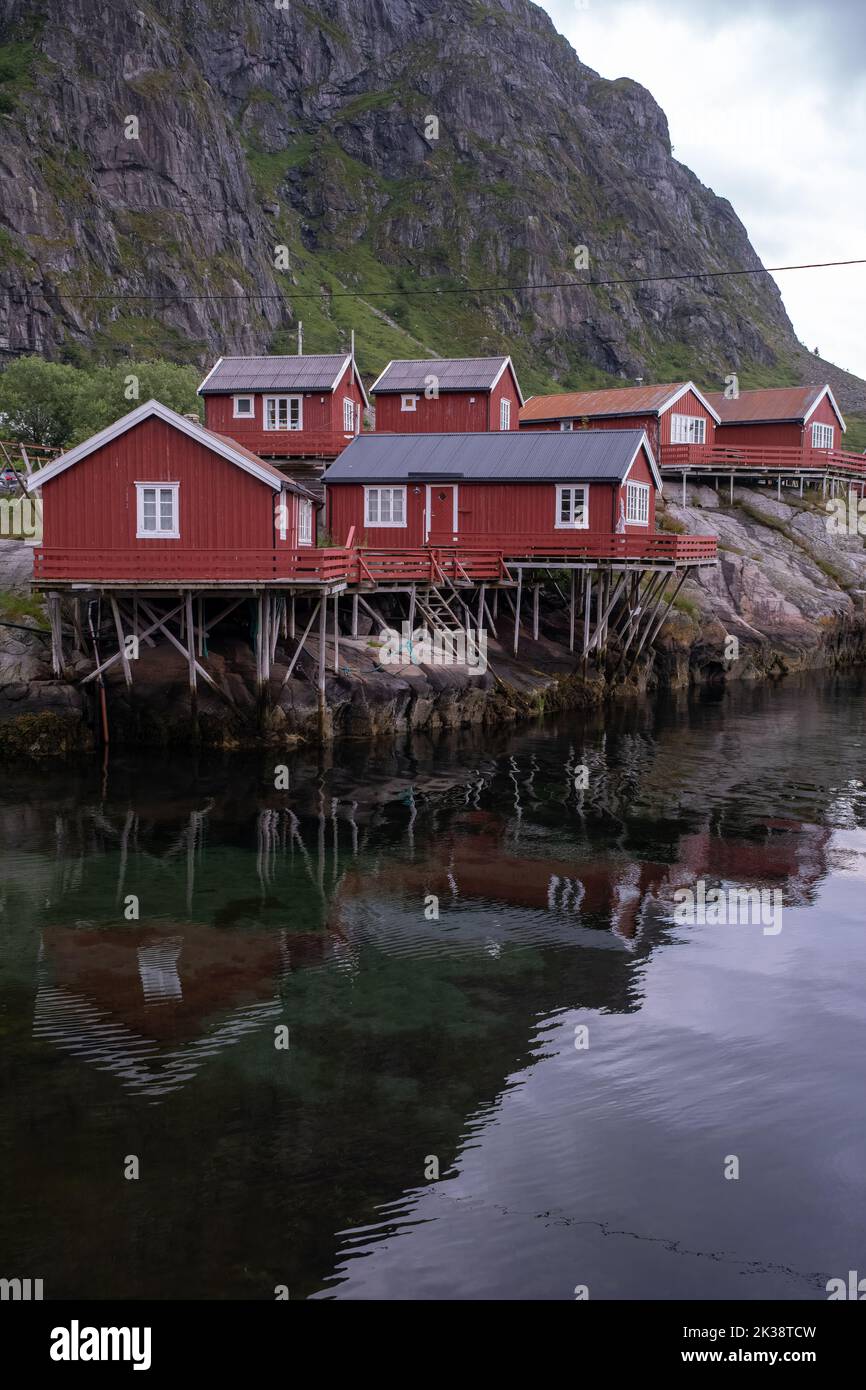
[
  {"x": 408, "y": 402},
  {"x": 348, "y": 415},
  {"x": 157, "y": 509},
  {"x": 822, "y": 436},
  {"x": 244, "y": 407},
  {"x": 305, "y": 521},
  {"x": 384, "y": 506},
  {"x": 284, "y": 413},
  {"x": 505, "y": 415},
  {"x": 566, "y": 426},
  {"x": 572, "y": 507},
  {"x": 637, "y": 499},
  {"x": 688, "y": 429}
]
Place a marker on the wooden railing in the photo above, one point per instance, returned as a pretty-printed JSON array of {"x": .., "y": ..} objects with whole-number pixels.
[
  {"x": 579, "y": 545},
  {"x": 315, "y": 444},
  {"x": 728, "y": 458},
  {"x": 178, "y": 567},
  {"x": 474, "y": 562}
]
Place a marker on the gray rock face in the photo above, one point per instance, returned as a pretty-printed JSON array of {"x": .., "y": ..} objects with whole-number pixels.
[{"x": 387, "y": 144}]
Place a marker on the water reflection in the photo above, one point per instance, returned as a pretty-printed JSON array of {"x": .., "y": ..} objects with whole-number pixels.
[{"x": 412, "y": 1033}]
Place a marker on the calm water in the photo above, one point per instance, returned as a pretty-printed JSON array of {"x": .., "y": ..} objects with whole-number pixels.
[{"x": 413, "y": 1038}]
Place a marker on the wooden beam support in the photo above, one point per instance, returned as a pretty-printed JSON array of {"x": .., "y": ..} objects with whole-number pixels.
[
  {"x": 121, "y": 642},
  {"x": 517, "y": 609}
]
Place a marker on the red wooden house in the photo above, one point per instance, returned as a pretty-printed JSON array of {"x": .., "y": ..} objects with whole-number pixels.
[
  {"x": 515, "y": 489},
  {"x": 157, "y": 497},
  {"x": 793, "y": 417},
  {"x": 676, "y": 413},
  {"x": 447, "y": 394},
  {"x": 286, "y": 407}
]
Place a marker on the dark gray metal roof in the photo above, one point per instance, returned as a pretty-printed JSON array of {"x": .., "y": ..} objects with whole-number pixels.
[
  {"x": 313, "y": 373},
  {"x": 452, "y": 374},
  {"x": 510, "y": 456}
]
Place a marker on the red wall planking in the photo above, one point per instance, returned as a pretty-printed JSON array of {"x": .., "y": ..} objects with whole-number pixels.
[
  {"x": 322, "y": 411},
  {"x": 484, "y": 510},
  {"x": 93, "y": 504},
  {"x": 782, "y": 435},
  {"x": 658, "y": 429},
  {"x": 451, "y": 412}
]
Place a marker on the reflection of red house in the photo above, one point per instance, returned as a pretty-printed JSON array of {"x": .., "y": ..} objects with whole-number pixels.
[
  {"x": 480, "y": 866},
  {"x": 152, "y": 1006}
]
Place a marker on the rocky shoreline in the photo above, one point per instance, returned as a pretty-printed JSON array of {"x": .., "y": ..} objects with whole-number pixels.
[{"x": 790, "y": 593}]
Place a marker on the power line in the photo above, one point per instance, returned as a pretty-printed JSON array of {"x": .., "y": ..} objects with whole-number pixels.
[{"x": 168, "y": 297}]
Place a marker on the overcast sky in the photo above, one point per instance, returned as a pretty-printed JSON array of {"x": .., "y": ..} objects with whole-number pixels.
[{"x": 766, "y": 101}]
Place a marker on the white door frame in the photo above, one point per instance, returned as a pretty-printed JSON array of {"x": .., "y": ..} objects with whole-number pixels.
[{"x": 428, "y": 499}]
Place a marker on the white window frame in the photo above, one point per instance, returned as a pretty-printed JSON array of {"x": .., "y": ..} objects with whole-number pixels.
[
  {"x": 505, "y": 414},
  {"x": 409, "y": 402},
  {"x": 688, "y": 429},
  {"x": 823, "y": 432},
  {"x": 637, "y": 504},
  {"x": 244, "y": 414},
  {"x": 561, "y": 489},
  {"x": 392, "y": 491},
  {"x": 305, "y": 521},
  {"x": 566, "y": 426},
  {"x": 278, "y": 428},
  {"x": 349, "y": 415},
  {"x": 161, "y": 533}
]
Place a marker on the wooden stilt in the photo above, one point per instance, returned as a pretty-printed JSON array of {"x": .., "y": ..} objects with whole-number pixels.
[
  {"x": 156, "y": 623},
  {"x": 323, "y": 633},
  {"x": 354, "y": 615},
  {"x": 292, "y": 619},
  {"x": 56, "y": 634},
  {"x": 587, "y": 605},
  {"x": 160, "y": 623},
  {"x": 193, "y": 664},
  {"x": 121, "y": 642},
  {"x": 571, "y": 615},
  {"x": 336, "y": 633},
  {"x": 517, "y": 609},
  {"x": 300, "y": 646},
  {"x": 413, "y": 596},
  {"x": 200, "y": 626},
  {"x": 496, "y": 603},
  {"x": 535, "y": 594}
]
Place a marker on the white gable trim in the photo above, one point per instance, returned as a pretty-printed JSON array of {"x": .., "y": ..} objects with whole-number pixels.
[
  {"x": 135, "y": 417},
  {"x": 356, "y": 376},
  {"x": 209, "y": 375},
  {"x": 817, "y": 401},
  {"x": 508, "y": 363},
  {"x": 689, "y": 386},
  {"x": 645, "y": 444},
  {"x": 381, "y": 375}
]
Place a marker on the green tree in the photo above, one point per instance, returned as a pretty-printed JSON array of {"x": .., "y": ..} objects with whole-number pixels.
[
  {"x": 107, "y": 393},
  {"x": 38, "y": 401},
  {"x": 55, "y": 404}
]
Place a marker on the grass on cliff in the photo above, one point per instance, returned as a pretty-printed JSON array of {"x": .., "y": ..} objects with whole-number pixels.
[{"x": 15, "y": 607}]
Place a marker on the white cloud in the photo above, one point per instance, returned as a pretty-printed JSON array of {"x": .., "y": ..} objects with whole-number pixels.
[{"x": 770, "y": 114}]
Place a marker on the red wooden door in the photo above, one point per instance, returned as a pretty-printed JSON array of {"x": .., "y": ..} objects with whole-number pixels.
[{"x": 441, "y": 513}]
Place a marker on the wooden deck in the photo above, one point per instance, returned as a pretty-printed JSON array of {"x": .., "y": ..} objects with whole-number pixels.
[
  {"x": 363, "y": 567},
  {"x": 745, "y": 461}
]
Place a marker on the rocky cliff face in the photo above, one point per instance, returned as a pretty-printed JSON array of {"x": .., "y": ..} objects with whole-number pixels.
[{"x": 397, "y": 150}]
